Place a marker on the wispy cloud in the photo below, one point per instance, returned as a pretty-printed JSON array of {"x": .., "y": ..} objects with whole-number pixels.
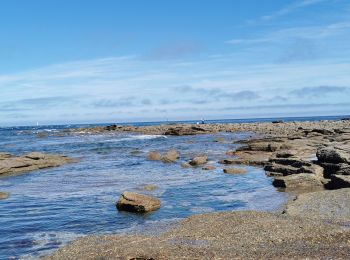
[
  {"x": 319, "y": 91},
  {"x": 287, "y": 10}
]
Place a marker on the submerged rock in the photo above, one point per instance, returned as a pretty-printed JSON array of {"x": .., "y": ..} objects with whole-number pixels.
[
  {"x": 154, "y": 156},
  {"x": 4, "y": 195},
  {"x": 209, "y": 168},
  {"x": 139, "y": 203},
  {"x": 235, "y": 170},
  {"x": 149, "y": 187},
  {"x": 199, "y": 160},
  {"x": 170, "y": 156}
]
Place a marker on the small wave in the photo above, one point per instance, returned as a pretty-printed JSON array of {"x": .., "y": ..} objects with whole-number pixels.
[{"x": 136, "y": 137}]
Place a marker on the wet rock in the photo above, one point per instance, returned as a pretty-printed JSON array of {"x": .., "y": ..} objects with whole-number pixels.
[
  {"x": 170, "y": 156},
  {"x": 32, "y": 161},
  {"x": 332, "y": 155},
  {"x": 199, "y": 160},
  {"x": 4, "y": 195},
  {"x": 139, "y": 203},
  {"x": 209, "y": 168},
  {"x": 154, "y": 156},
  {"x": 277, "y": 122},
  {"x": 186, "y": 165},
  {"x": 231, "y": 153},
  {"x": 235, "y": 170},
  {"x": 220, "y": 140}
]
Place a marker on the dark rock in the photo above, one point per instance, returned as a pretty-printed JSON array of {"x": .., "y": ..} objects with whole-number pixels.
[
  {"x": 322, "y": 131},
  {"x": 277, "y": 122},
  {"x": 338, "y": 182},
  {"x": 139, "y": 203},
  {"x": 331, "y": 155}
]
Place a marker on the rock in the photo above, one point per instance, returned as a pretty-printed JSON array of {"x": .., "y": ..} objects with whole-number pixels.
[
  {"x": 209, "y": 168},
  {"x": 235, "y": 170},
  {"x": 284, "y": 154},
  {"x": 4, "y": 195},
  {"x": 5, "y": 156},
  {"x": 186, "y": 165},
  {"x": 327, "y": 205},
  {"x": 154, "y": 156},
  {"x": 335, "y": 168},
  {"x": 322, "y": 131},
  {"x": 220, "y": 140},
  {"x": 298, "y": 181},
  {"x": 231, "y": 153},
  {"x": 184, "y": 130},
  {"x": 32, "y": 161},
  {"x": 139, "y": 203},
  {"x": 170, "y": 156},
  {"x": 253, "y": 161},
  {"x": 331, "y": 155},
  {"x": 199, "y": 160},
  {"x": 260, "y": 146},
  {"x": 277, "y": 122},
  {"x": 338, "y": 182}
]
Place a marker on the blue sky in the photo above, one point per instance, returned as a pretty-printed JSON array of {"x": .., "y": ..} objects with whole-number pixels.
[{"x": 117, "y": 61}]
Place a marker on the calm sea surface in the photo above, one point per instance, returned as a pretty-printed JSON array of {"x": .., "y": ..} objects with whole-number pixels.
[{"x": 51, "y": 207}]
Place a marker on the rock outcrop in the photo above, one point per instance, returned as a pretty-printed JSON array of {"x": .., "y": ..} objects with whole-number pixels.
[
  {"x": 10, "y": 165},
  {"x": 138, "y": 203},
  {"x": 235, "y": 170}
]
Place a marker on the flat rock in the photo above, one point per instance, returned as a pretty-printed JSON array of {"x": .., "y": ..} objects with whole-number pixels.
[
  {"x": 330, "y": 205},
  {"x": 139, "y": 203},
  {"x": 235, "y": 170},
  {"x": 30, "y": 162},
  {"x": 227, "y": 235},
  {"x": 300, "y": 181}
]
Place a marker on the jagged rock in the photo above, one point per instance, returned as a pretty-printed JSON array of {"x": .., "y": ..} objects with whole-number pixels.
[
  {"x": 331, "y": 155},
  {"x": 199, "y": 160},
  {"x": 4, "y": 195},
  {"x": 154, "y": 156},
  {"x": 335, "y": 168},
  {"x": 338, "y": 182},
  {"x": 170, "y": 156},
  {"x": 139, "y": 203},
  {"x": 235, "y": 170}
]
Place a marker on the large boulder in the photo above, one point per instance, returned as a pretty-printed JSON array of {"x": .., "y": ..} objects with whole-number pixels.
[
  {"x": 332, "y": 155},
  {"x": 139, "y": 203},
  {"x": 199, "y": 160}
]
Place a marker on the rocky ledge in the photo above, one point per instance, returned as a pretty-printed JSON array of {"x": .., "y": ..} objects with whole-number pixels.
[{"x": 12, "y": 165}]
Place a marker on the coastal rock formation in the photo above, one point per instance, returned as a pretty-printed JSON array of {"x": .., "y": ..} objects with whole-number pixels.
[
  {"x": 332, "y": 155},
  {"x": 235, "y": 170},
  {"x": 10, "y": 165},
  {"x": 302, "y": 182},
  {"x": 199, "y": 160},
  {"x": 227, "y": 235},
  {"x": 331, "y": 205},
  {"x": 139, "y": 203}
]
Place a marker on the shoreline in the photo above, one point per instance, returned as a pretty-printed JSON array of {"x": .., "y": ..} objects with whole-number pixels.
[{"x": 298, "y": 155}]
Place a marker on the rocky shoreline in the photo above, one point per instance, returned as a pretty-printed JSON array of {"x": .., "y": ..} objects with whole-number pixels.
[{"x": 310, "y": 159}]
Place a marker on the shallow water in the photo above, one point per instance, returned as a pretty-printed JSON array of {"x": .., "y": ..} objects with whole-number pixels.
[{"x": 51, "y": 207}]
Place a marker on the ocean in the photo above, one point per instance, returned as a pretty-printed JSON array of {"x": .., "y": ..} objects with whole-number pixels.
[{"x": 49, "y": 208}]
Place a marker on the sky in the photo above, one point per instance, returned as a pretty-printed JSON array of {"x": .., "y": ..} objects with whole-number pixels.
[{"x": 94, "y": 61}]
